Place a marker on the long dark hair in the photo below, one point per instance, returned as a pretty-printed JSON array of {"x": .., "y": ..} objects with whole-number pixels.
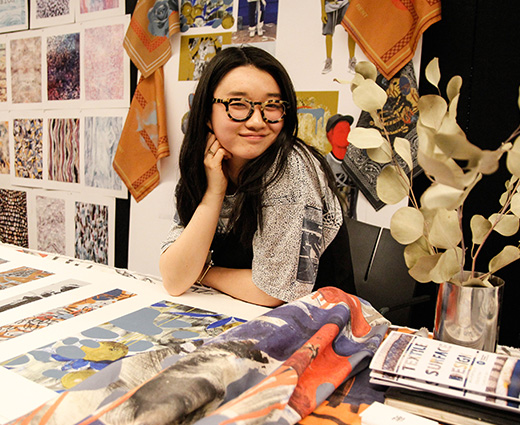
[{"x": 247, "y": 213}]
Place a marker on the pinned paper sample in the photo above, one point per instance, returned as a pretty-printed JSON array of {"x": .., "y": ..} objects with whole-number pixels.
[
  {"x": 20, "y": 275},
  {"x": 26, "y": 69},
  {"x": 92, "y": 232},
  {"x": 63, "y": 67},
  {"x": 42, "y": 320},
  {"x": 95, "y": 9},
  {"x": 14, "y": 15},
  {"x": 102, "y": 135},
  {"x": 50, "y": 213},
  {"x": 4, "y": 147},
  {"x": 28, "y": 148},
  {"x": 13, "y": 217},
  {"x": 105, "y": 64},
  {"x": 3, "y": 73},
  {"x": 46, "y": 13},
  {"x": 65, "y": 363},
  {"x": 64, "y": 149}
]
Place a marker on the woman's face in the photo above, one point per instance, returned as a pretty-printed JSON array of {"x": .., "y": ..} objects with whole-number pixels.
[{"x": 248, "y": 139}]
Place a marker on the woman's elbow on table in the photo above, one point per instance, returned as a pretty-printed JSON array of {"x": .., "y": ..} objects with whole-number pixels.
[{"x": 173, "y": 284}]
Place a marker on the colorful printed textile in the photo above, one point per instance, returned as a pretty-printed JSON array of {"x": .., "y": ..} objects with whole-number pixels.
[
  {"x": 144, "y": 139},
  {"x": 388, "y": 31},
  {"x": 277, "y": 368}
]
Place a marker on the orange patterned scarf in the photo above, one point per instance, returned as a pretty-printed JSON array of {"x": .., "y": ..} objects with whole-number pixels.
[
  {"x": 144, "y": 139},
  {"x": 387, "y": 31}
]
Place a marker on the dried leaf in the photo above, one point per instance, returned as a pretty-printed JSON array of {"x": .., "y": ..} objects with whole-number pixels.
[
  {"x": 402, "y": 148},
  {"x": 433, "y": 73},
  {"x": 442, "y": 196},
  {"x": 416, "y": 250},
  {"x": 445, "y": 232},
  {"x": 509, "y": 254},
  {"x": 515, "y": 204},
  {"x": 449, "y": 264},
  {"x": 453, "y": 87},
  {"x": 382, "y": 154},
  {"x": 356, "y": 81},
  {"x": 406, "y": 225},
  {"x": 513, "y": 158},
  {"x": 421, "y": 271},
  {"x": 480, "y": 227},
  {"x": 488, "y": 162},
  {"x": 392, "y": 185},
  {"x": 367, "y": 69},
  {"x": 432, "y": 110},
  {"x": 453, "y": 142},
  {"x": 368, "y": 96},
  {"x": 366, "y": 138},
  {"x": 507, "y": 225}
]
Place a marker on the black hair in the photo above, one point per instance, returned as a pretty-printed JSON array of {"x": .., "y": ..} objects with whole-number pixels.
[{"x": 247, "y": 214}]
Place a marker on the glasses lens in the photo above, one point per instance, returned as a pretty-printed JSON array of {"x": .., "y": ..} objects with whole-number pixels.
[
  {"x": 274, "y": 111},
  {"x": 239, "y": 109}
]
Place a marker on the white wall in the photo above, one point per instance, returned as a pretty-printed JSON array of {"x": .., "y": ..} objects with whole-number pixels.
[{"x": 300, "y": 46}]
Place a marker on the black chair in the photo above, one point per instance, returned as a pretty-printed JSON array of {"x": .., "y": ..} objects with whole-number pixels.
[{"x": 382, "y": 278}]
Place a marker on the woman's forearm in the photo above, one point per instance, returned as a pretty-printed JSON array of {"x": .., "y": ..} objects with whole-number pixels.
[
  {"x": 239, "y": 284},
  {"x": 183, "y": 261}
]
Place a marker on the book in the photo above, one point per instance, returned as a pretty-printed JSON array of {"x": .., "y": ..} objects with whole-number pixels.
[
  {"x": 417, "y": 363},
  {"x": 447, "y": 410}
]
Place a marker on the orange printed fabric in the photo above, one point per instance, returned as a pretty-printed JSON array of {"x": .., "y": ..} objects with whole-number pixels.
[
  {"x": 387, "y": 31},
  {"x": 144, "y": 139},
  {"x": 147, "y": 38}
]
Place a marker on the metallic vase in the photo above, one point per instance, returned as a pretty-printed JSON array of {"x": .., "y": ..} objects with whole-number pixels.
[{"x": 469, "y": 316}]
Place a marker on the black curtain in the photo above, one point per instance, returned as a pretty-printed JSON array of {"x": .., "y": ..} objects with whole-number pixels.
[{"x": 480, "y": 41}]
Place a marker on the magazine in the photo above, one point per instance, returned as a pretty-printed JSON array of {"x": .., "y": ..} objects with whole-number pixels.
[{"x": 415, "y": 362}]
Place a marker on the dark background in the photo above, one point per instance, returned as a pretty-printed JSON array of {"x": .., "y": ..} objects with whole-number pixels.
[{"x": 480, "y": 41}]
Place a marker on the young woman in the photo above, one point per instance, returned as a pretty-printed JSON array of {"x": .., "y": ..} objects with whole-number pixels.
[{"x": 251, "y": 194}]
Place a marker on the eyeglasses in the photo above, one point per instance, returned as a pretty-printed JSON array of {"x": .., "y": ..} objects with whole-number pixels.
[{"x": 239, "y": 109}]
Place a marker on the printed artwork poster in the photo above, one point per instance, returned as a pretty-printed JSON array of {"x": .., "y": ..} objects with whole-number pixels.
[
  {"x": 257, "y": 22},
  {"x": 98, "y": 9},
  {"x": 14, "y": 15},
  {"x": 13, "y": 217},
  {"x": 3, "y": 73},
  {"x": 197, "y": 51},
  {"x": 25, "y": 69},
  {"x": 94, "y": 225},
  {"x": 400, "y": 115},
  {"x": 45, "y": 13},
  {"x": 26, "y": 148},
  {"x": 62, "y": 67},
  {"x": 62, "y": 150},
  {"x": 65, "y": 363},
  {"x": 105, "y": 66},
  {"x": 101, "y": 133},
  {"x": 38, "y": 294},
  {"x": 314, "y": 110},
  {"x": 196, "y": 14}
]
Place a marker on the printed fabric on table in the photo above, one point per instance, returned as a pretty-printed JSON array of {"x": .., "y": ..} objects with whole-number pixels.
[{"x": 276, "y": 368}]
